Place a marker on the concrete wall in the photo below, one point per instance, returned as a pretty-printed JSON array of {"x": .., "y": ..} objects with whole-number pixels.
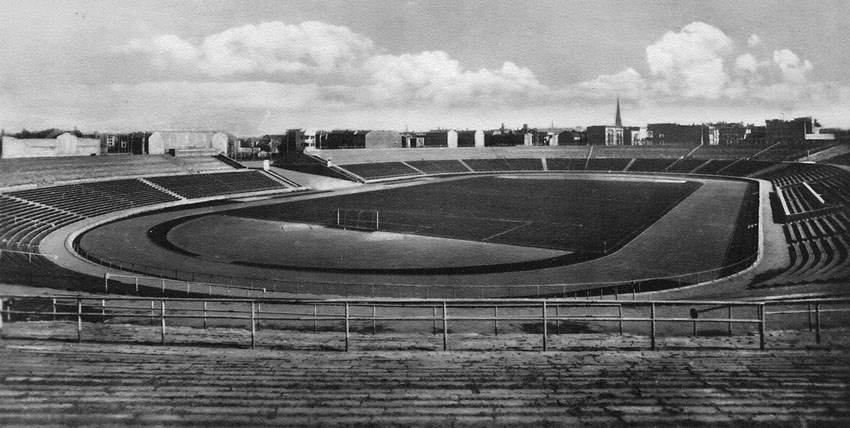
[
  {"x": 161, "y": 142},
  {"x": 63, "y": 145},
  {"x": 451, "y": 138},
  {"x": 383, "y": 140}
]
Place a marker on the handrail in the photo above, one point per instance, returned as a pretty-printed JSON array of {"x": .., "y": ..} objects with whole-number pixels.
[{"x": 546, "y": 312}]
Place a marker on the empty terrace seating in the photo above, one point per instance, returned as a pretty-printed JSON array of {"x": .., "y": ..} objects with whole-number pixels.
[
  {"x": 834, "y": 189},
  {"x": 840, "y": 159},
  {"x": 726, "y": 152},
  {"x": 799, "y": 172},
  {"x": 96, "y": 198},
  {"x": 712, "y": 166},
  {"x": 51, "y": 170},
  {"x": 794, "y": 151},
  {"x": 819, "y": 249},
  {"x": 379, "y": 170},
  {"x": 438, "y": 166},
  {"x": 799, "y": 199},
  {"x": 133, "y": 192},
  {"x": 650, "y": 165},
  {"x": 744, "y": 168},
  {"x": 657, "y": 152},
  {"x": 685, "y": 165},
  {"x": 566, "y": 164},
  {"x": 215, "y": 184},
  {"x": 505, "y": 164},
  {"x": 23, "y": 224},
  {"x": 607, "y": 164},
  {"x": 205, "y": 164}
]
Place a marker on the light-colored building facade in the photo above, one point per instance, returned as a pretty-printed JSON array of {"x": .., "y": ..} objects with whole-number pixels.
[
  {"x": 65, "y": 144},
  {"x": 162, "y": 142}
]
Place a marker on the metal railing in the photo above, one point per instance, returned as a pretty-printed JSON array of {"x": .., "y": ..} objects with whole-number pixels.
[{"x": 543, "y": 317}]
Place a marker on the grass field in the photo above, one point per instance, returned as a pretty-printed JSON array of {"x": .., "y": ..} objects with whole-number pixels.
[{"x": 590, "y": 216}]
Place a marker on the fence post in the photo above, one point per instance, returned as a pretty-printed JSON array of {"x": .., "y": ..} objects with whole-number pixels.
[
  {"x": 137, "y": 284},
  {"x": 253, "y": 324},
  {"x": 54, "y": 309},
  {"x": 762, "y": 326},
  {"x": 187, "y": 288},
  {"x": 545, "y": 326},
  {"x": 152, "y": 313},
  {"x": 445, "y": 328},
  {"x": 729, "y": 326},
  {"x": 205, "y": 314},
  {"x": 106, "y": 282},
  {"x": 163, "y": 287},
  {"x": 620, "y": 315},
  {"x": 103, "y": 310},
  {"x": 79, "y": 320},
  {"x": 162, "y": 319},
  {"x": 346, "y": 326},
  {"x": 315, "y": 318},
  {"x": 652, "y": 324},
  {"x": 1, "y": 313},
  {"x": 434, "y": 318},
  {"x": 558, "y": 320},
  {"x": 373, "y": 319},
  {"x": 817, "y": 323},
  {"x": 809, "y": 313}
]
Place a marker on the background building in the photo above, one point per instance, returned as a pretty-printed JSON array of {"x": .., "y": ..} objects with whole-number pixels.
[
  {"x": 187, "y": 142},
  {"x": 799, "y": 130},
  {"x": 49, "y": 143}
]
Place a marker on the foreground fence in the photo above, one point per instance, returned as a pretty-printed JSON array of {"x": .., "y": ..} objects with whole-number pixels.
[{"x": 446, "y": 318}]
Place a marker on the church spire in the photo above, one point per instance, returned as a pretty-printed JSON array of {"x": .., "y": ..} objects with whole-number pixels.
[{"x": 618, "y": 121}]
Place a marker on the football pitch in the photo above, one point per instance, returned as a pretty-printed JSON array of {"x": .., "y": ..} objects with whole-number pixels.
[{"x": 578, "y": 215}]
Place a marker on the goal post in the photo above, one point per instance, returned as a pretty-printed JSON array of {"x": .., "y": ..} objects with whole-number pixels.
[{"x": 357, "y": 219}]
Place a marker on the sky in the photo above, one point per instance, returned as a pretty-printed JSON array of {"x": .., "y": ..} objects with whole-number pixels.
[{"x": 260, "y": 67}]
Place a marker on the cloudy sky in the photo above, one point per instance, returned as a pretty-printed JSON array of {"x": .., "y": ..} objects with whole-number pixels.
[{"x": 254, "y": 67}]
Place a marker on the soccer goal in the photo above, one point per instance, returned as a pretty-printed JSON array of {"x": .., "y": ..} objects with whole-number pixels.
[{"x": 357, "y": 219}]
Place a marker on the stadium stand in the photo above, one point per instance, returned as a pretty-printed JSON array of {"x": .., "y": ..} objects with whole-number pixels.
[
  {"x": 744, "y": 168},
  {"x": 648, "y": 152},
  {"x": 607, "y": 164},
  {"x": 504, "y": 164},
  {"x": 684, "y": 166},
  {"x": 42, "y": 171},
  {"x": 725, "y": 152},
  {"x": 566, "y": 164},
  {"x": 790, "y": 151},
  {"x": 712, "y": 166},
  {"x": 840, "y": 159},
  {"x": 24, "y": 223},
  {"x": 438, "y": 166},
  {"x": 650, "y": 165},
  {"x": 800, "y": 172},
  {"x": 203, "y": 185},
  {"x": 380, "y": 170}
]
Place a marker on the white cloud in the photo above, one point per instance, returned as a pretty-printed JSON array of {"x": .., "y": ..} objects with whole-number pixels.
[
  {"x": 747, "y": 63},
  {"x": 627, "y": 84},
  {"x": 690, "y": 62},
  {"x": 792, "y": 68},
  {"x": 700, "y": 61},
  {"x": 270, "y": 47},
  {"x": 438, "y": 78}
]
